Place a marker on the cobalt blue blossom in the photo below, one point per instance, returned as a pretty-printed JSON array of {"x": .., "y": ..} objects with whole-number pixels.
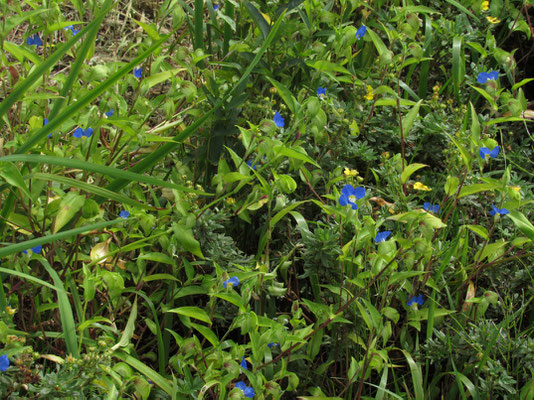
[
  {"x": 71, "y": 28},
  {"x": 234, "y": 281},
  {"x": 138, "y": 72},
  {"x": 495, "y": 210},
  {"x": 431, "y": 207},
  {"x": 382, "y": 236},
  {"x": 4, "y": 363},
  {"x": 350, "y": 194},
  {"x": 278, "y": 120},
  {"x": 216, "y": 7},
  {"x": 80, "y": 133},
  {"x": 34, "y": 40},
  {"x": 124, "y": 214},
  {"x": 362, "y": 30},
  {"x": 109, "y": 113},
  {"x": 415, "y": 300},
  {"x": 249, "y": 163},
  {"x": 271, "y": 345},
  {"x": 484, "y": 151},
  {"x": 247, "y": 391},
  {"x": 321, "y": 92},
  {"x": 45, "y": 122},
  {"x": 35, "y": 250},
  {"x": 244, "y": 363},
  {"x": 483, "y": 77}
]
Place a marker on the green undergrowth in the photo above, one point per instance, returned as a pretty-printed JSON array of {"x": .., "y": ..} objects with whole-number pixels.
[{"x": 259, "y": 199}]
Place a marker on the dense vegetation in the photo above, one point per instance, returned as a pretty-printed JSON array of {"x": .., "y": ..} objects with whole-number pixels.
[{"x": 310, "y": 199}]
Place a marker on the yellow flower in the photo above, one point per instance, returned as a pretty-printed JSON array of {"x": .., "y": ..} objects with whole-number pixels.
[
  {"x": 516, "y": 188},
  {"x": 350, "y": 172},
  {"x": 420, "y": 186},
  {"x": 485, "y": 5},
  {"x": 370, "y": 95},
  {"x": 230, "y": 201},
  {"x": 10, "y": 310},
  {"x": 493, "y": 20}
]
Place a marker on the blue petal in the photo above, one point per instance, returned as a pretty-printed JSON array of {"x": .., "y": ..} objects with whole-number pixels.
[
  {"x": 482, "y": 77},
  {"x": 343, "y": 200},
  {"x": 249, "y": 392},
  {"x": 426, "y": 206},
  {"x": 504, "y": 211},
  {"x": 241, "y": 385},
  {"x": 359, "y": 192},
  {"x": 37, "y": 249},
  {"x": 360, "y": 33},
  {"x": 419, "y": 300},
  {"x": 88, "y": 132},
  {"x": 278, "y": 120},
  {"x": 483, "y": 152},
  {"x": 4, "y": 363},
  {"x": 495, "y": 152},
  {"x": 124, "y": 214},
  {"x": 216, "y": 7},
  {"x": 244, "y": 363},
  {"x": 410, "y": 301},
  {"x": 138, "y": 72},
  {"x": 436, "y": 208},
  {"x": 78, "y": 133},
  {"x": 493, "y": 75},
  {"x": 110, "y": 112}
]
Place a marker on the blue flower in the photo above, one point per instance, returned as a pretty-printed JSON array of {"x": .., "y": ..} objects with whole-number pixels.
[
  {"x": 138, "y": 72},
  {"x": 34, "y": 40},
  {"x": 271, "y": 345},
  {"x": 321, "y": 92},
  {"x": 484, "y": 151},
  {"x": 80, "y": 133},
  {"x": 483, "y": 77},
  {"x": 278, "y": 120},
  {"x": 244, "y": 363},
  {"x": 216, "y": 7},
  {"x": 35, "y": 250},
  {"x": 415, "y": 300},
  {"x": 362, "y": 30},
  {"x": 109, "y": 113},
  {"x": 71, "y": 28},
  {"x": 382, "y": 236},
  {"x": 45, "y": 122},
  {"x": 247, "y": 391},
  {"x": 4, "y": 363},
  {"x": 350, "y": 194},
  {"x": 234, "y": 281},
  {"x": 249, "y": 163},
  {"x": 495, "y": 210},
  {"x": 124, "y": 214},
  {"x": 431, "y": 207}
]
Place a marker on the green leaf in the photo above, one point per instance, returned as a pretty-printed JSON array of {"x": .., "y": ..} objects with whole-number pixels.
[
  {"x": 69, "y": 206},
  {"x": 285, "y": 94},
  {"x": 129, "y": 329},
  {"x": 291, "y": 153},
  {"x": 417, "y": 376},
  {"x": 157, "y": 257},
  {"x": 258, "y": 18},
  {"x": 522, "y": 223},
  {"x": 158, "y": 380},
  {"x": 409, "y": 170},
  {"x": 409, "y": 119},
  {"x": 451, "y": 185},
  {"x": 232, "y": 298},
  {"x": 150, "y": 31},
  {"x": 11, "y": 175},
  {"x": 186, "y": 240},
  {"x": 207, "y": 333},
  {"x": 478, "y": 187},
  {"x": 479, "y": 230},
  {"x": 192, "y": 312}
]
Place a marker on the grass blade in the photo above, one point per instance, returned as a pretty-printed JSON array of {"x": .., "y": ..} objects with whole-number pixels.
[
  {"x": 65, "y": 311},
  {"x": 28, "y": 244}
]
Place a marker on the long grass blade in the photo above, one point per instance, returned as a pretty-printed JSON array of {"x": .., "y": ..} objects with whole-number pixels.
[
  {"x": 65, "y": 311},
  {"x": 28, "y": 244}
]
